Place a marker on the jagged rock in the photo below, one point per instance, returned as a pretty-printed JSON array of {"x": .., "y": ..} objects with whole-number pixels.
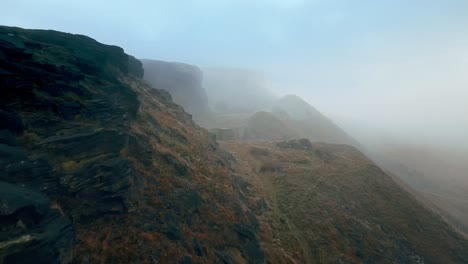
[
  {"x": 31, "y": 232},
  {"x": 86, "y": 144},
  {"x": 101, "y": 186}
]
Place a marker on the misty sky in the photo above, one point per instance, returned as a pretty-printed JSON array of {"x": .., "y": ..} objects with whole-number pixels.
[{"x": 399, "y": 67}]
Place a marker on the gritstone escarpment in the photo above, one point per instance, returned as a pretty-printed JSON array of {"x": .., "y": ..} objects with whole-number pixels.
[
  {"x": 182, "y": 81},
  {"x": 96, "y": 166}
]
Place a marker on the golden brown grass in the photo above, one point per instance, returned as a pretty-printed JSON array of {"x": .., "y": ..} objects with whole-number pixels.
[{"x": 332, "y": 203}]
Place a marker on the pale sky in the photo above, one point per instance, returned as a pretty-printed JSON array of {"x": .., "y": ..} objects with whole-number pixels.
[{"x": 396, "y": 67}]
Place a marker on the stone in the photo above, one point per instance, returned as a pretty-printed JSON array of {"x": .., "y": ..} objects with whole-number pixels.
[
  {"x": 31, "y": 231},
  {"x": 11, "y": 121}
]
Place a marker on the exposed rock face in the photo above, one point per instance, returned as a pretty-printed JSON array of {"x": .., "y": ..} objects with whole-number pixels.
[
  {"x": 32, "y": 232},
  {"x": 182, "y": 81},
  {"x": 95, "y": 161}
]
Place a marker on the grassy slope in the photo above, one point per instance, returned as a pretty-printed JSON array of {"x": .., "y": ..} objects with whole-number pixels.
[{"x": 345, "y": 207}]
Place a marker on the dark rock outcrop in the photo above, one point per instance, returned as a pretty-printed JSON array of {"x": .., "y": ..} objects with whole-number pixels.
[
  {"x": 58, "y": 92},
  {"x": 96, "y": 162},
  {"x": 32, "y": 232}
]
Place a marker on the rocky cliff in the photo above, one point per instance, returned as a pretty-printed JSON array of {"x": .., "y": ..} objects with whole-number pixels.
[
  {"x": 182, "y": 81},
  {"x": 97, "y": 166}
]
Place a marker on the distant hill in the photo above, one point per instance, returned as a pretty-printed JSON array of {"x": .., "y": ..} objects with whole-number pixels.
[
  {"x": 312, "y": 124},
  {"x": 289, "y": 117},
  {"x": 267, "y": 126}
]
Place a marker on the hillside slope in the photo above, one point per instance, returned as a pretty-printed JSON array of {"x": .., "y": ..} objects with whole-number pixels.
[
  {"x": 438, "y": 175},
  {"x": 286, "y": 118},
  {"x": 330, "y": 204},
  {"x": 312, "y": 124}
]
